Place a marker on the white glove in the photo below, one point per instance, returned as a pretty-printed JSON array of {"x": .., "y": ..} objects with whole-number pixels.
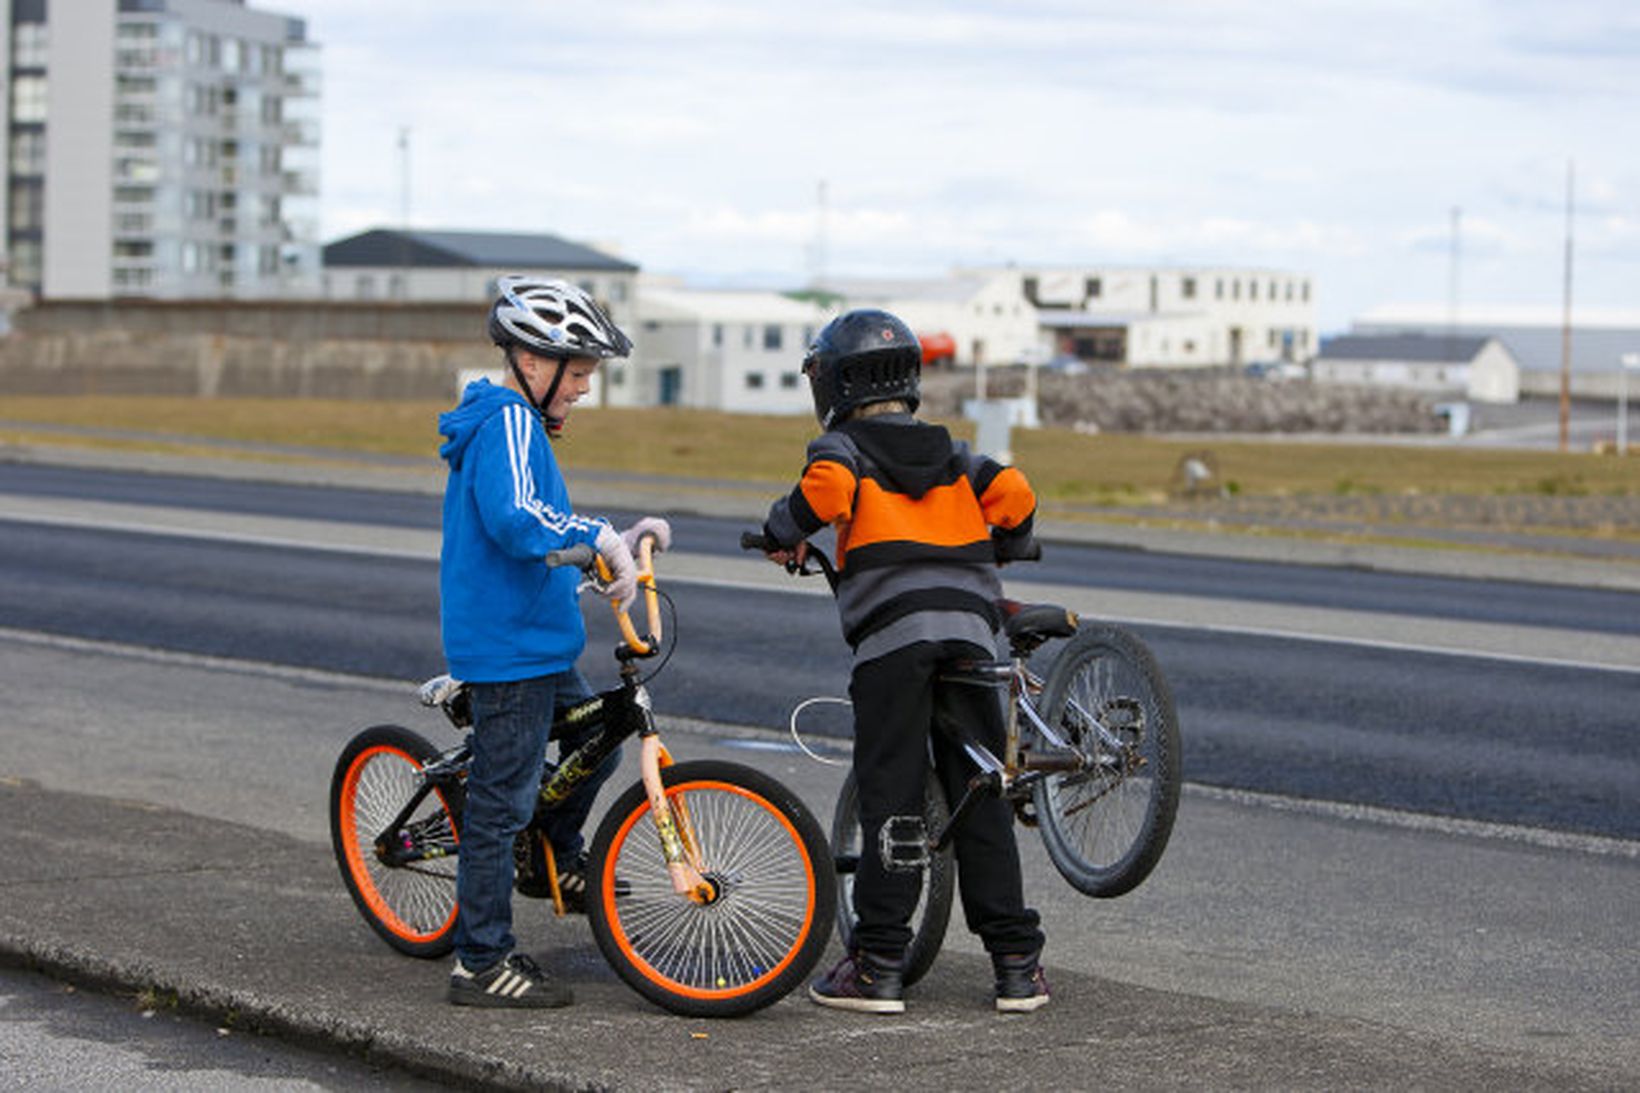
[
  {"x": 623, "y": 587},
  {"x": 649, "y": 525}
]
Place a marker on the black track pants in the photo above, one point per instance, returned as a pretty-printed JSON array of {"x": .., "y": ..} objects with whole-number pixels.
[{"x": 896, "y": 701}]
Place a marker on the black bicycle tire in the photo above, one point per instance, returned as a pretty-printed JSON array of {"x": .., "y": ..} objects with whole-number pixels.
[
  {"x": 1114, "y": 874},
  {"x": 933, "y": 914},
  {"x": 629, "y": 888},
  {"x": 384, "y": 911}
]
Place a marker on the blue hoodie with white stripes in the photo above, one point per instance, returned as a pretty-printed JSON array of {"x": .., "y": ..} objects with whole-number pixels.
[{"x": 506, "y": 616}]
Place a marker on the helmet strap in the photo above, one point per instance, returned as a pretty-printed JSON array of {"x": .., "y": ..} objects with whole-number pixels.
[{"x": 552, "y": 424}]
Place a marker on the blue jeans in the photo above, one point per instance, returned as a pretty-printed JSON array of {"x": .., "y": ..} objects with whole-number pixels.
[{"x": 511, "y": 725}]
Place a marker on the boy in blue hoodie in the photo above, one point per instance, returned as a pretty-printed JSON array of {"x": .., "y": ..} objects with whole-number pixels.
[{"x": 512, "y": 627}]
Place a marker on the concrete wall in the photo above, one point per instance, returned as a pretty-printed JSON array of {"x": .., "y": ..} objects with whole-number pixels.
[{"x": 212, "y": 348}]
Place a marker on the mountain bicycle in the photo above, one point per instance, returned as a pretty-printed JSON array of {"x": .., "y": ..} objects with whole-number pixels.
[
  {"x": 1091, "y": 760},
  {"x": 710, "y": 886}
]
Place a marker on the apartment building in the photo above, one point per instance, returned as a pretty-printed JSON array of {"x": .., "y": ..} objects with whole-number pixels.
[{"x": 159, "y": 148}]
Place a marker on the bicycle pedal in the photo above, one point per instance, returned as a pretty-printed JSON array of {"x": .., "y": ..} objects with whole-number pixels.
[{"x": 903, "y": 844}]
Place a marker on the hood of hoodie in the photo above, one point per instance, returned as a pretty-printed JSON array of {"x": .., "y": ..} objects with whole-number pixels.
[
  {"x": 479, "y": 402},
  {"x": 913, "y": 455}
]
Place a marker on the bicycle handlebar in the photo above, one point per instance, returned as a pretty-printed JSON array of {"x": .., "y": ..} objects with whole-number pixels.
[
  {"x": 1007, "y": 550},
  {"x": 582, "y": 556}
]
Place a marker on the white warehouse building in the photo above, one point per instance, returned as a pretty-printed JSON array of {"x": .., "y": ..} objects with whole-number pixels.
[
  {"x": 735, "y": 351},
  {"x": 983, "y": 313}
]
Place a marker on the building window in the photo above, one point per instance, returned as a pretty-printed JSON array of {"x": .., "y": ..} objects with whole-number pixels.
[
  {"x": 717, "y": 335},
  {"x": 25, "y": 262},
  {"x": 28, "y": 45},
  {"x": 1235, "y": 289},
  {"x": 1304, "y": 292},
  {"x": 1093, "y": 288},
  {"x": 617, "y": 291},
  {"x": 28, "y": 152},
  {"x": 28, "y": 99},
  {"x": 747, "y": 337},
  {"x": 1218, "y": 288},
  {"x": 365, "y": 287},
  {"x": 788, "y": 380},
  {"x": 27, "y": 206},
  {"x": 1187, "y": 288},
  {"x": 1252, "y": 290},
  {"x": 771, "y": 336},
  {"x": 754, "y": 381}
]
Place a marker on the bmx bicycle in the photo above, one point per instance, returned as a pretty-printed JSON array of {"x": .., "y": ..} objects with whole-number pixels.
[
  {"x": 1091, "y": 760},
  {"x": 710, "y": 886}
]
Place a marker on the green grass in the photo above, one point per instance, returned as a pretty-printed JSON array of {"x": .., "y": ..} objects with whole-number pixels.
[{"x": 1065, "y": 466}]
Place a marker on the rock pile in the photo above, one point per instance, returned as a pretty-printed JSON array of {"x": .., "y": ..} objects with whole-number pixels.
[{"x": 1194, "y": 401}]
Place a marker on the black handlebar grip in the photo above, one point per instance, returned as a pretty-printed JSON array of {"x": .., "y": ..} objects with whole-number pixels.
[
  {"x": 580, "y": 556},
  {"x": 756, "y": 540}
]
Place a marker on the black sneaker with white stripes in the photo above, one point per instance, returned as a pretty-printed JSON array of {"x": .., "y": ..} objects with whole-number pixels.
[{"x": 516, "y": 981}]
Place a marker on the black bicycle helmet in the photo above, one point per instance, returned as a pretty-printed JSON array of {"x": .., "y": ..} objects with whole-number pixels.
[
  {"x": 860, "y": 357},
  {"x": 553, "y": 319}
]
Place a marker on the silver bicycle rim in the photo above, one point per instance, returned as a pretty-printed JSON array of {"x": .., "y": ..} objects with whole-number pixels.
[
  {"x": 765, "y": 906},
  {"x": 1101, "y": 813},
  {"x": 421, "y": 895}
]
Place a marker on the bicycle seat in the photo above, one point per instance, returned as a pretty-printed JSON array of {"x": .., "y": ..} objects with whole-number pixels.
[{"x": 1036, "y": 622}]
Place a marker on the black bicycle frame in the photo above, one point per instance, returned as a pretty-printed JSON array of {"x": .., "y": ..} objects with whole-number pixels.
[{"x": 615, "y": 715}]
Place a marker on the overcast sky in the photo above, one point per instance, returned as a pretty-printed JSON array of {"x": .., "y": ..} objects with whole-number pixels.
[{"x": 694, "y": 136}]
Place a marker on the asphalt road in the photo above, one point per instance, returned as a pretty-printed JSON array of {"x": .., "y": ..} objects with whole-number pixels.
[{"x": 1531, "y": 725}]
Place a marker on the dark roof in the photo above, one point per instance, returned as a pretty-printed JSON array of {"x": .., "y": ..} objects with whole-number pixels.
[
  {"x": 1433, "y": 348},
  {"x": 443, "y": 249}
]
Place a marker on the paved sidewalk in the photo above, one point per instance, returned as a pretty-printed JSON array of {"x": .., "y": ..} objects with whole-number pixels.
[{"x": 251, "y": 930}]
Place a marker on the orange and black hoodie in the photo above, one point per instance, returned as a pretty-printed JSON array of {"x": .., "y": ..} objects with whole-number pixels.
[{"x": 920, "y": 521}]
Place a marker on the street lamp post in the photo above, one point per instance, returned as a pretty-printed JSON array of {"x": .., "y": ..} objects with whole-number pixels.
[{"x": 1625, "y": 362}]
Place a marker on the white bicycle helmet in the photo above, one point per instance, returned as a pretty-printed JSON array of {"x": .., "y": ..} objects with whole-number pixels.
[{"x": 553, "y": 318}]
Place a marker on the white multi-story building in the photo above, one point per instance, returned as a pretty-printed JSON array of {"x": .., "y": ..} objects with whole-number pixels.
[
  {"x": 1184, "y": 316},
  {"x": 163, "y": 148}
]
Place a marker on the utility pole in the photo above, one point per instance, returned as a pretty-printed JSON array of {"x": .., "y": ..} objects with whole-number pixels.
[
  {"x": 817, "y": 257},
  {"x": 1452, "y": 291},
  {"x": 404, "y": 211},
  {"x": 1566, "y": 321}
]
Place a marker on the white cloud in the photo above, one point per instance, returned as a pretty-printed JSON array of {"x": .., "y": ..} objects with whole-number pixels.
[{"x": 1331, "y": 137}]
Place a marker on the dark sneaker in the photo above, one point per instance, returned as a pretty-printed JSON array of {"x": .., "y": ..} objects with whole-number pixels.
[
  {"x": 862, "y": 982},
  {"x": 572, "y": 885},
  {"x": 516, "y": 981},
  {"x": 1021, "y": 986}
]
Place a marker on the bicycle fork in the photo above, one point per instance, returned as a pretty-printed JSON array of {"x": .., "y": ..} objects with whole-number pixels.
[{"x": 678, "y": 844}]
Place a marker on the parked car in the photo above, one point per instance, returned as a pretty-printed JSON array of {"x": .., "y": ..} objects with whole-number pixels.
[{"x": 1277, "y": 370}]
